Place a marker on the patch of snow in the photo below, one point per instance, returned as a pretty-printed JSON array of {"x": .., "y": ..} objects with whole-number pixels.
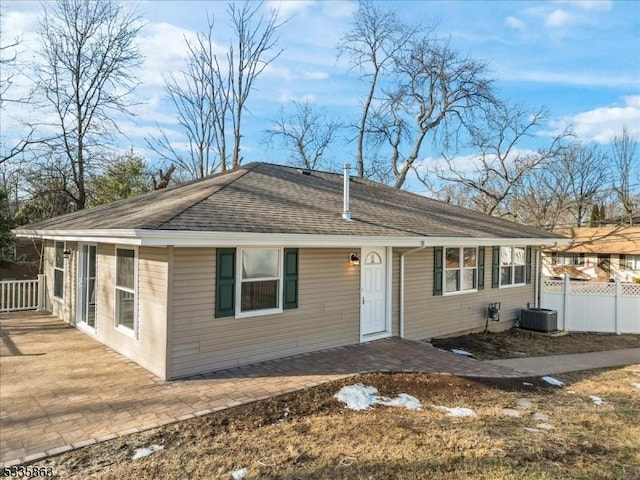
[
  {"x": 571, "y": 392},
  {"x": 362, "y": 397},
  {"x": 239, "y": 474},
  {"x": 403, "y": 400},
  {"x": 527, "y": 384},
  {"x": 540, "y": 417},
  {"x": 510, "y": 412},
  {"x": 464, "y": 353},
  {"x": 532, "y": 430},
  {"x": 458, "y": 411},
  {"x": 553, "y": 381},
  {"x": 637, "y": 385},
  {"x": 524, "y": 403},
  {"x": 596, "y": 400},
  {"x": 545, "y": 426},
  {"x": 146, "y": 451}
]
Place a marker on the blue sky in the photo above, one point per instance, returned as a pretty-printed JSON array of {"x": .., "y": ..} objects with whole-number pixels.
[{"x": 581, "y": 59}]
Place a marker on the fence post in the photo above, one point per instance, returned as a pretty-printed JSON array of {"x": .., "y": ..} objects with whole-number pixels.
[
  {"x": 41, "y": 295},
  {"x": 566, "y": 289},
  {"x": 617, "y": 293}
]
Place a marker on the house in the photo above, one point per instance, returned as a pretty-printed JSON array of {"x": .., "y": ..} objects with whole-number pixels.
[
  {"x": 267, "y": 261},
  {"x": 23, "y": 260},
  {"x": 596, "y": 253}
]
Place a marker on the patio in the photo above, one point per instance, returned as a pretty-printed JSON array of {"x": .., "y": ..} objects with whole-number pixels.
[{"x": 62, "y": 390}]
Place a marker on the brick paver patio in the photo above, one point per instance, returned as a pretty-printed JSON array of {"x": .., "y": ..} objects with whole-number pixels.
[{"x": 60, "y": 389}]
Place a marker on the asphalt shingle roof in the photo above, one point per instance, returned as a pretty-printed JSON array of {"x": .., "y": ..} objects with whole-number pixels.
[{"x": 268, "y": 198}]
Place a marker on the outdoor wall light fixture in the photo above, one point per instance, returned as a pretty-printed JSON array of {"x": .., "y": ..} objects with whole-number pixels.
[
  {"x": 354, "y": 259},
  {"x": 66, "y": 254}
]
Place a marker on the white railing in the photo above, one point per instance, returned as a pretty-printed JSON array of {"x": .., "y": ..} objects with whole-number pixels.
[
  {"x": 18, "y": 295},
  {"x": 611, "y": 307}
]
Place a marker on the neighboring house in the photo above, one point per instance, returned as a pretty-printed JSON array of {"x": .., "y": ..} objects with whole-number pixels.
[
  {"x": 24, "y": 256},
  {"x": 601, "y": 254},
  {"x": 267, "y": 261}
]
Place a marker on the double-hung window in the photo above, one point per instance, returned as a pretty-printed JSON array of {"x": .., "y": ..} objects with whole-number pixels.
[
  {"x": 125, "y": 288},
  {"x": 460, "y": 269},
  {"x": 58, "y": 271},
  {"x": 512, "y": 266},
  {"x": 260, "y": 280},
  {"x": 631, "y": 262}
]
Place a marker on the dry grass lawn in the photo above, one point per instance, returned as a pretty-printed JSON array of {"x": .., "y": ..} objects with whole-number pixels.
[{"x": 310, "y": 435}]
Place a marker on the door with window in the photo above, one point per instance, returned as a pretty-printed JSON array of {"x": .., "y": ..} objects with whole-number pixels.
[
  {"x": 373, "y": 279},
  {"x": 87, "y": 286}
]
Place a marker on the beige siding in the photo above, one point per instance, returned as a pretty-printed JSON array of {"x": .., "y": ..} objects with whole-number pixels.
[
  {"x": 328, "y": 314},
  {"x": 428, "y": 316},
  {"x": 64, "y": 308},
  {"x": 148, "y": 347}
]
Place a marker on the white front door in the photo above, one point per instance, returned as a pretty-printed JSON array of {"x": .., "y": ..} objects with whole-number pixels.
[{"x": 373, "y": 301}]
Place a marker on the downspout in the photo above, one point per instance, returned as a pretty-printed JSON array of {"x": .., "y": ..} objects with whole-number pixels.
[
  {"x": 536, "y": 299},
  {"x": 402, "y": 255}
]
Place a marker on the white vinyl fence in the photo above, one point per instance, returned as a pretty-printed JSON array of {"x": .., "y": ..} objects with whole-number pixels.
[
  {"x": 18, "y": 295},
  {"x": 612, "y": 307}
]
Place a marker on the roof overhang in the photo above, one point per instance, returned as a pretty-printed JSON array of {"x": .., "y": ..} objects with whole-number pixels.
[{"x": 183, "y": 238}]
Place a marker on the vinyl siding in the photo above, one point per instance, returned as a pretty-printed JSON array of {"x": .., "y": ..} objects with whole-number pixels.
[
  {"x": 64, "y": 308},
  {"x": 428, "y": 316},
  {"x": 148, "y": 346},
  {"x": 328, "y": 314}
]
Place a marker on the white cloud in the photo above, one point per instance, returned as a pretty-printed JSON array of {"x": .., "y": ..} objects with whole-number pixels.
[
  {"x": 290, "y": 7},
  {"x": 569, "y": 78},
  {"x": 286, "y": 96},
  {"x": 589, "y": 4},
  {"x": 515, "y": 23},
  {"x": 164, "y": 48},
  {"x": 601, "y": 124},
  {"x": 558, "y": 18}
]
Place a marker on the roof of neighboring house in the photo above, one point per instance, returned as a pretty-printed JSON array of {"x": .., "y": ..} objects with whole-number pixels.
[
  {"x": 619, "y": 239},
  {"x": 268, "y": 198}
]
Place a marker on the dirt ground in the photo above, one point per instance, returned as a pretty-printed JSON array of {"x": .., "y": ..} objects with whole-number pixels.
[
  {"x": 516, "y": 343},
  {"x": 523, "y": 428},
  {"x": 311, "y": 435}
]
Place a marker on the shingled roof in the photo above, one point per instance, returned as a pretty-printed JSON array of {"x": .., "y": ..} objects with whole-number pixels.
[{"x": 267, "y": 198}]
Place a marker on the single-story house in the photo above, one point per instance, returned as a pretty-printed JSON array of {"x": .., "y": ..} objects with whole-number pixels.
[
  {"x": 267, "y": 261},
  {"x": 596, "y": 253}
]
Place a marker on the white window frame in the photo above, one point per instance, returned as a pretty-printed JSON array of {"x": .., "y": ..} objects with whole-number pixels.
[
  {"x": 240, "y": 281},
  {"x": 59, "y": 269},
  {"x": 512, "y": 268},
  {"x": 461, "y": 268},
  {"x": 570, "y": 259},
  {"x": 119, "y": 327},
  {"x": 632, "y": 262}
]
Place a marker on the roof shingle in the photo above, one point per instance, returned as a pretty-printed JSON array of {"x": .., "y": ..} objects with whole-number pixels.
[{"x": 268, "y": 198}]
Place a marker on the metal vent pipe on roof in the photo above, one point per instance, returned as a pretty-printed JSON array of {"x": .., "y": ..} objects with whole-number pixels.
[{"x": 346, "y": 214}]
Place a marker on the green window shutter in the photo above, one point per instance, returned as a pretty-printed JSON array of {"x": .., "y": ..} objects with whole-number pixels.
[
  {"x": 437, "y": 271},
  {"x": 480, "y": 268},
  {"x": 225, "y": 282},
  {"x": 290, "y": 278},
  {"x": 495, "y": 277},
  {"x": 527, "y": 274}
]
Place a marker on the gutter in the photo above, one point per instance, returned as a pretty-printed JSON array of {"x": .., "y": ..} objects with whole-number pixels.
[{"x": 402, "y": 255}]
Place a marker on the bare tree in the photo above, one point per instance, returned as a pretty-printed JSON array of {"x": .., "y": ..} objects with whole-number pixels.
[
  {"x": 211, "y": 94},
  {"x": 626, "y": 168},
  {"x": 306, "y": 134},
  {"x": 372, "y": 44},
  {"x": 86, "y": 77},
  {"x": 501, "y": 164},
  {"x": 583, "y": 170},
  {"x": 200, "y": 96},
  {"x": 10, "y": 68},
  {"x": 252, "y": 50}
]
